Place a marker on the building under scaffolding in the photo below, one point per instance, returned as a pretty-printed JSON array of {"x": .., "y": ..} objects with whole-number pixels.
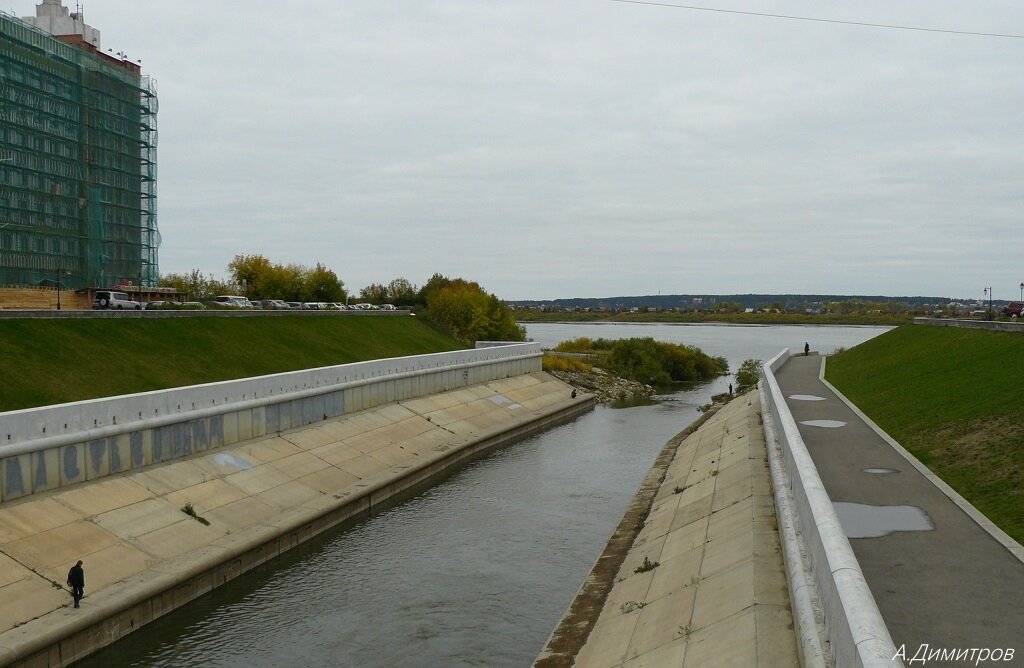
[{"x": 77, "y": 157}]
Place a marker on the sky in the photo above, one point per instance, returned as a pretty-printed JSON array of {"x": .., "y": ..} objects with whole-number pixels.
[{"x": 590, "y": 148}]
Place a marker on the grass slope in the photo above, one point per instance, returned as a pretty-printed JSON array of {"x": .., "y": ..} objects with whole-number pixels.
[
  {"x": 54, "y": 361},
  {"x": 955, "y": 399}
]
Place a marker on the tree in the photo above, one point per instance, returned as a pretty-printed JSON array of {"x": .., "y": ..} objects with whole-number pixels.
[
  {"x": 252, "y": 272},
  {"x": 401, "y": 292},
  {"x": 467, "y": 312},
  {"x": 374, "y": 293},
  {"x": 197, "y": 286},
  {"x": 749, "y": 373},
  {"x": 323, "y": 285},
  {"x": 435, "y": 283}
]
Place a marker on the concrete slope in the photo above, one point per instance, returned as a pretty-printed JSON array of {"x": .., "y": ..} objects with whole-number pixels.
[
  {"x": 718, "y": 595},
  {"x": 144, "y": 556}
]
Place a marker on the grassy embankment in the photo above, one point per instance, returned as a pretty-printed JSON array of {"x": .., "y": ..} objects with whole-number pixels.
[
  {"x": 54, "y": 361},
  {"x": 955, "y": 399},
  {"x": 733, "y": 318}
]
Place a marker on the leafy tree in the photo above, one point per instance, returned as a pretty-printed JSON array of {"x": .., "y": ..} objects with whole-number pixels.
[
  {"x": 749, "y": 373},
  {"x": 251, "y": 271},
  {"x": 374, "y": 293},
  {"x": 467, "y": 312},
  {"x": 401, "y": 292},
  {"x": 435, "y": 283},
  {"x": 323, "y": 285},
  {"x": 197, "y": 286}
]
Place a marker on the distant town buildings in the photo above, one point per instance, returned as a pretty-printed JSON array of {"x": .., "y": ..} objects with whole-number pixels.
[{"x": 77, "y": 156}]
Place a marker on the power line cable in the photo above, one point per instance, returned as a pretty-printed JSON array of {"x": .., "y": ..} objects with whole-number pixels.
[{"x": 860, "y": 24}]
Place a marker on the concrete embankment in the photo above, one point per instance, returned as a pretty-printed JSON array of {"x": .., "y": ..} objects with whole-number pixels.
[
  {"x": 703, "y": 583},
  {"x": 260, "y": 497}
]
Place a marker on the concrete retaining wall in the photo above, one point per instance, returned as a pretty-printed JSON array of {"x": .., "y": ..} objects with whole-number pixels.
[
  {"x": 856, "y": 633},
  {"x": 973, "y": 324},
  {"x": 55, "y": 446}
]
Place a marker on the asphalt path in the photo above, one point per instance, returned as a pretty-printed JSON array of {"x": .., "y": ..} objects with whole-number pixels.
[{"x": 951, "y": 587}]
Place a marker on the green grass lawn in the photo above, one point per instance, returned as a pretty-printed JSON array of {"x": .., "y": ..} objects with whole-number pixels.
[
  {"x": 955, "y": 399},
  {"x": 54, "y": 361}
]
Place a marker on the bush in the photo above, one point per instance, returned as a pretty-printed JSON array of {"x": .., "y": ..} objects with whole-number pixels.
[
  {"x": 749, "y": 373},
  {"x": 659, "y": 363},
  {"x": 555, "y": 363}
]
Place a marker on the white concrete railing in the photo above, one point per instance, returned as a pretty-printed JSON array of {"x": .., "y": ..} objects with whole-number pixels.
[
  {"x": 53, "y": 446},
  {"x": 854, "y": 627}
]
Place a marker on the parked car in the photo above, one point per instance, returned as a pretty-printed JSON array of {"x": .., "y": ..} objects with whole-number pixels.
[
  {"x": 155, "y": 306},
  {"x": 388, "y": 307},
  {"x": 233, "y": 300},
  {"x": 113, "y": 299},
  {"x": 275, "y": 304},
  {"x": 1014, "y": 309},
  {"x": 294, "y": 304},
  {"x": 193, "y": 305}
]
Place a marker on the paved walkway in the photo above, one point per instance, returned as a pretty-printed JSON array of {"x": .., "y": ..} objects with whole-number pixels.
[
  {"x": 136, "y": 541},
  {"x": 719, "y": 595},
  {"x": 951, "y": 587}
]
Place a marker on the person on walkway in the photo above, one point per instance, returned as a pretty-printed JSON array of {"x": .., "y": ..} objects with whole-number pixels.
[
  {"x": 76, "y": 580},
  {"x": 730, "y": 389},
  {"x": 807, "y": 349},
  {"x": 574, "y": 393}
]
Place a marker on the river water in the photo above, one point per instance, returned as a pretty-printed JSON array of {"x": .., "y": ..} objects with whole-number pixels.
[{"x": 475, "y": 571}]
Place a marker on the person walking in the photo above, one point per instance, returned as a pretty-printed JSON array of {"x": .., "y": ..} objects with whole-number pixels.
[
  {"x": 807, "y": 349},
  {"x": 76, "y": 580}
]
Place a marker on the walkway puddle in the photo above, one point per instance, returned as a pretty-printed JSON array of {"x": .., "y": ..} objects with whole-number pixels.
[
  {"x": 828, "y": 424},
  {"x": 863, "y": 521},
  {"x": 880, "y": 470},
  {"x": 806, "y": 397}
]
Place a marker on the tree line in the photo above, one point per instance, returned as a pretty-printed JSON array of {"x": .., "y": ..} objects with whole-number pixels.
[{"x": 460, "y": 307}]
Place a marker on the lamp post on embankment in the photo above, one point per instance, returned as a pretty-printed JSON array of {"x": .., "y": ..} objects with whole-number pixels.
[{"x": 988, "y": 291}]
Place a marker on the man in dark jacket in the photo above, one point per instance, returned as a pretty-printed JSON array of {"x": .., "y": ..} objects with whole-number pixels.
[{"x": 76, "y": 580}]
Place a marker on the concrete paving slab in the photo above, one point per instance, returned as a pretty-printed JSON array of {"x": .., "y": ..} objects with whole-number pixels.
[
  {"x": 140, "y": 518},
  {"x": 705, "y": 647},
  {"x": 661, "y": 622},
  {"x": 294, "y": 494},
  {"x": 30, "y": 598},
  {"x": 242, "y": 514},
  {"x": 178, "y": 539},
  {"x": 327, "y": 481},
  {"x": 103, "y": 495},
  {"x": 206, "y": 496},
  {"x": 170, "y": 477},
  {"x": 63, "y": 545},
  {"x": 363, "y": 466},
  {"x": 12, "y": 571},
  {"x": 29, "y": 517}
]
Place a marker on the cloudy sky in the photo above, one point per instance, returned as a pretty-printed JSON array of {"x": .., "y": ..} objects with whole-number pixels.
[{"x": 561, "y": 148}]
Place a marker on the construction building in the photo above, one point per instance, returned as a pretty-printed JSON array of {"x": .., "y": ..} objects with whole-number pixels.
[{"x": 77, "y": 157}]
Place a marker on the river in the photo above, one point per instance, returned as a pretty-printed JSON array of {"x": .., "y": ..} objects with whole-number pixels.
[{"x": 475, "y": 571}]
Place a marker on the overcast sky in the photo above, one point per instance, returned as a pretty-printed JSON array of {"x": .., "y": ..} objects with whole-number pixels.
[{"x": 561, "y": 148}]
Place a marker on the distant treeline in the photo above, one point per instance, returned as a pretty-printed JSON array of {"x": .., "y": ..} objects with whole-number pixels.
[{"x": 707, "y": 302}]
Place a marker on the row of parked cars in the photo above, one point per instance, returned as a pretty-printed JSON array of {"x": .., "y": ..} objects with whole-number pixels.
[{"x": 113, "y": 299}]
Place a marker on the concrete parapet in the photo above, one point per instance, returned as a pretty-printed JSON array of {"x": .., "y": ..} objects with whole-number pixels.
[
  {"x": 852, "y": 624},
  {"x": 54, "y": 446}
]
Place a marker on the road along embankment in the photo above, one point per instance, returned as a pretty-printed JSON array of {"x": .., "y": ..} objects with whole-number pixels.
[{"x": 248, "y": 502}]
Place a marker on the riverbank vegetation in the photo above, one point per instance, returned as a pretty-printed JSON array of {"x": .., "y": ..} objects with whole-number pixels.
[
  {"x": 955, "y": 399},
  {"x": 648, "y": 361},
  {"x": 55, "y": 361}
]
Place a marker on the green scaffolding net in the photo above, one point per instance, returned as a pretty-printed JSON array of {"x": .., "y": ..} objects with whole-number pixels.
[{"x": 78, "y": 140}]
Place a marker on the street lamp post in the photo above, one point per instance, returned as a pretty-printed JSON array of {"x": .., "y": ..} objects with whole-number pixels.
[
  {"x": 989, "y": 292},
  {"x": 1022, "y": 291}
]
